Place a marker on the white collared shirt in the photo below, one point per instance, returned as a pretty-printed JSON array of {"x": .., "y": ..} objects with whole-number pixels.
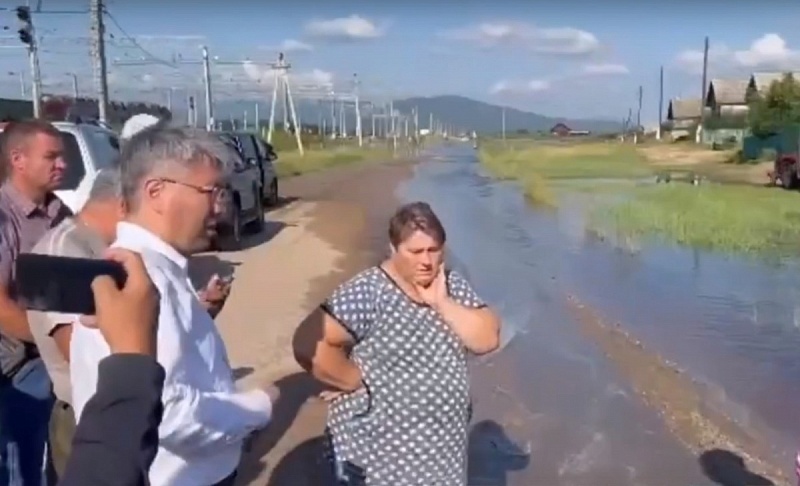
[{"x": 205, "y": 418}]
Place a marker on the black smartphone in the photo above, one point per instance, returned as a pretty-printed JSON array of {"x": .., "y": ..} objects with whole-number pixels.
[{"x": 62, "y": 284}]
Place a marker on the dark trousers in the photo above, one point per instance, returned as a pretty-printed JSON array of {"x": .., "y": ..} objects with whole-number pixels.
[
  {"x": 62, "y": 429},
  {"x": 25, "y": 407}
]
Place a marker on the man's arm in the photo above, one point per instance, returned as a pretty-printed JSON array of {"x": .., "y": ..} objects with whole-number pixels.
[
  {"x": 13, "y": 319},
  {"x": 195, "y": 420},
  {"x": 117, "y": 436},
  {"x": 62, "y": 334}
]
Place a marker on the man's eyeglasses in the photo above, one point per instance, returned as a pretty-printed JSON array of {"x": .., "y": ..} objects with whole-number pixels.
[{"x": 214, "y": 191}]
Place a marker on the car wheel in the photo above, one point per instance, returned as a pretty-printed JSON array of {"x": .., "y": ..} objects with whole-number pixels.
[
  {"x": 265, "y": 190},
  {"x": 237, "y": 224},
  {"x": 233, "y": 240},
  {"x": 273, "y": 193},
  {"x": 258, "y": 222},
  {"x": 788, "y": 177}
]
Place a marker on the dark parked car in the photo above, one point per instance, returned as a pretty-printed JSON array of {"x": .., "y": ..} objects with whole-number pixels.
[
  {"x": 255, "y": 149},
  {"x": 243, "y": 201}
]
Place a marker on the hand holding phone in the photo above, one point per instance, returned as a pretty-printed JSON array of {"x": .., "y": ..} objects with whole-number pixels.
[{"x": 62, "y": 284}]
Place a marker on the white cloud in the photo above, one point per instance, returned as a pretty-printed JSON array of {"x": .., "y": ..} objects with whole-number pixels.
[
  {"x": 354, "y": 27},
  {"x": 566, "y": 41},
  {"x": 769, "y": 51},
  {"x": 265, "y": 77},
  {"x": 519, "y": 88},
  {"x": 605, "y": 68},
  {"x": 290, "y": 45}
]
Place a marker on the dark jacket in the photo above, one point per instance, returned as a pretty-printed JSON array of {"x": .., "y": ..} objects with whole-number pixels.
[{"x": 117, "y": 435}]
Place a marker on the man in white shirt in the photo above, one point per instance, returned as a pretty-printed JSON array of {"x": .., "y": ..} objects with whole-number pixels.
[{"x": 171, "y": 182}]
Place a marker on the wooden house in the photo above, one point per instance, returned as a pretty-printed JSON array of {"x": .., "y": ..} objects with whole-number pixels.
[
  {"x": 727, "y": 98},
  {"x": 560, "y": 130},
  {"x": 760, "y": 82}
]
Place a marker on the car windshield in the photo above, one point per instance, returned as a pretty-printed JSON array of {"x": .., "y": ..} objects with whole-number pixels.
[
  {"x": 104, "y": 146},
  {"x": 76, "y": 168}
]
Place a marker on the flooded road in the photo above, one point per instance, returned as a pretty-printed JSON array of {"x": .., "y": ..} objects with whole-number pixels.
[{"x": 552, "y": 407}]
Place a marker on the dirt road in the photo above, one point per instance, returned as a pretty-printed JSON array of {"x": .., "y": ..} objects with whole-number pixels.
[{"x": 330, "y": 226}]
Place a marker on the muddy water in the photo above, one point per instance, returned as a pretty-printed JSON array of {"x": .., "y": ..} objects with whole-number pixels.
[
  {"x": 732, "y": 324},
  {"x": 550, "y": 409}
]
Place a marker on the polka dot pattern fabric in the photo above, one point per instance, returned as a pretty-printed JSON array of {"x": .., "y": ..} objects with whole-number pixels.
[{"x": 407, "y": 426}]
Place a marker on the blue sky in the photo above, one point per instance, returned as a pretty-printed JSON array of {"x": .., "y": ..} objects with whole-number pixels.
[{"x": 556, "y": 58}]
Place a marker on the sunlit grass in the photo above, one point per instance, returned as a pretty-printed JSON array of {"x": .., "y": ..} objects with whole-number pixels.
[
  {"x": 730, "y": 218},
  {"x": 539, "y": 191},
  {"x": 562, "y": 161},
  {"x": 542, "y": 168},
  {"x": 291, "y": 163},
  {"x": 719, "y": 217}
]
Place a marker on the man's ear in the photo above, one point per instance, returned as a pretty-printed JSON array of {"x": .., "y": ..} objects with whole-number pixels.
[
  {"x": 392, "y": 249},
  {"x": 16, "y": 157}
]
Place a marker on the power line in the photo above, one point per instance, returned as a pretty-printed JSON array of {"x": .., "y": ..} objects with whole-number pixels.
[{"x": 135, "y": 43}]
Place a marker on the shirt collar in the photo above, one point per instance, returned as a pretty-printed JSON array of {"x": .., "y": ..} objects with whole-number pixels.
[
  {"x": 51, "y": 206},
  {"x": 143, "y": 239}
]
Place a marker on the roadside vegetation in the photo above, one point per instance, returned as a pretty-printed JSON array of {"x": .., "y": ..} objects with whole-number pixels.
[
  {"x": 742, "y": 219},
  {"x": 618, "y": 180},
  {"x": 321, "y": 154},
  {"x": 545, "y": 168}
]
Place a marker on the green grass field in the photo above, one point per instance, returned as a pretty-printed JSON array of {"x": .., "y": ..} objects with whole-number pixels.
[
  {"x": 741, "y": 219},
  {"x": 546, "y": 168},
  {"x": 291, "y": 163},
  {"x": 731, "y": 218},
  {"x": 563, "y": 161}
]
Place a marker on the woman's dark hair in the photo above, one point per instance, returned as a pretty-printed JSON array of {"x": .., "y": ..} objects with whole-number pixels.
[{"x": 415, "y": 216}]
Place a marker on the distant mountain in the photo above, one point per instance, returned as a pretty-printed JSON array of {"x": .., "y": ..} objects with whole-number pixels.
[
  {"x": 459, "y": 111},
  {"x": 483, "y": 117}
]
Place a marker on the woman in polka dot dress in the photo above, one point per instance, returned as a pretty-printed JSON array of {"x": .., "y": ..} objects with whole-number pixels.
[{"x": 394, "y": 346}]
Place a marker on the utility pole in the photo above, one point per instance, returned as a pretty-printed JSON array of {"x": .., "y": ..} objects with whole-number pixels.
[
  {"x": 343, "y": 118},
  {"x": 27, "y": 34},
  {"x": 74, "y": 77},
  {"x": 660, "y": 102},
  {"x": 698, "y": 136},
  {"x": 358, "y": 111},
  {"x": 258, "y": 120},
  {"x": 99, "y": 59},
  {"x": 23, "y": 90},
  {"x": 333, "y": 117},
  {"x": 638, "y": 117},
  {"x": 207, "y": 83},
  {"x": 430, "y": 123},
  {"x": 394, "y": 131},
  {"x": 504, "y": 124},
  {"x": 416, "y": 123},
  {"x": 281, "y": 83},
  {"x": 190, "y": 112}
]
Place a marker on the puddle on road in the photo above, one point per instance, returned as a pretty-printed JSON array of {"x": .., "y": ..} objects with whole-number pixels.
[{"x": 732, "y": 325}]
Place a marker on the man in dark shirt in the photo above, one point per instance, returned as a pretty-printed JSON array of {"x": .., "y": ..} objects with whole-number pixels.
[
  {"x": 32, "y": 156},
  {"x": 117, "y": 437}
]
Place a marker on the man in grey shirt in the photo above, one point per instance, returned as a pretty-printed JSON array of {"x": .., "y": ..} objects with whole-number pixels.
[
  {"x": 87, "y": 235},
  {"x": 33, "y": 163}
]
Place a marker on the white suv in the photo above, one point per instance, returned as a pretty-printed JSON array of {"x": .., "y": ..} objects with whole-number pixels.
[{"x": 88, "y": 148}]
